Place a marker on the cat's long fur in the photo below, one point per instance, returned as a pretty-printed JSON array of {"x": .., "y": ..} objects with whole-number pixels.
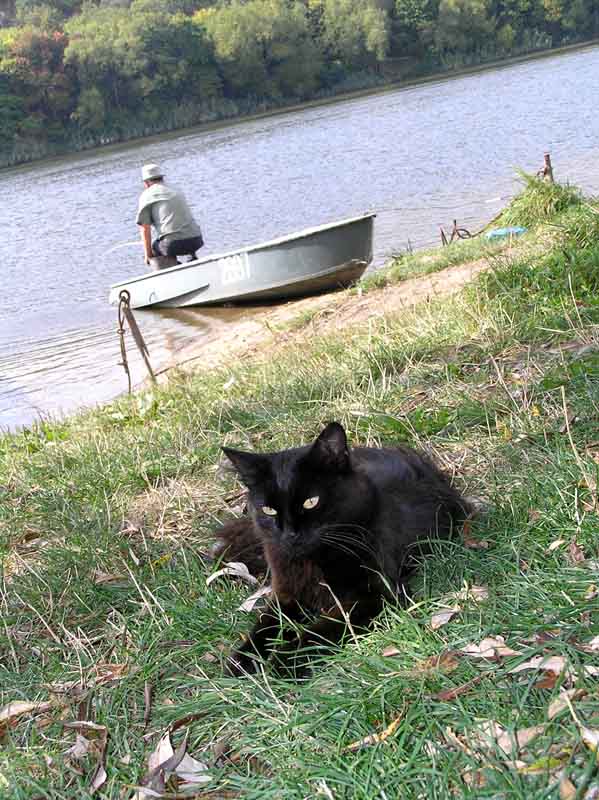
[{"x": 336, "y": 561}]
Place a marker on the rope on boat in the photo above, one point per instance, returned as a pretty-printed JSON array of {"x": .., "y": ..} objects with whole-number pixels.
[{"x": 125, "y": 313}]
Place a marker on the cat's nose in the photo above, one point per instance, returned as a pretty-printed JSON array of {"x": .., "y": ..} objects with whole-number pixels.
[{"x": 289, "y": 533}]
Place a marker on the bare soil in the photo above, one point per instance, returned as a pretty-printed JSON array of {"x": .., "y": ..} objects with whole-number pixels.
[{"x": 272, "y": 326}]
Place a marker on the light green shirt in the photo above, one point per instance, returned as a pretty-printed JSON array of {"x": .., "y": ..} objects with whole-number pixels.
[{"x": 167, "y": 210}]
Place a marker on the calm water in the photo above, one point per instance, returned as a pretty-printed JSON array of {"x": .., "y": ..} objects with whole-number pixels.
[{"x": 418, "y": 157}]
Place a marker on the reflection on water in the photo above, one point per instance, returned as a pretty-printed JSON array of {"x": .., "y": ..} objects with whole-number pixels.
[{"x": 418, "y": 157}]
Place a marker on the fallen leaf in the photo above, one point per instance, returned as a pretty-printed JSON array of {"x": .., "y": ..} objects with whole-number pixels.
[
  {"x": 110, "y": 579},
  {"x": 236, "y": 569},
  {"x": 100, "y": 734},
  {"x": 453, "y": 740},
  {"x": 98, "y": 779},
  {"x": 11, "y": 713},
  {"x": 484, "y": 735},
  {"x": 191, "y": 772},
  {"x": 592, "y": 593},
  {"x": 491, "y": 647},
  {"x": 80, "y": 749},
  {"x": 451, "y": 694},
  {"x": 210, "y": 658},
  {"x": 164, "y": 763},
  {"x": 575, "y": 553},
  {"x": 476, "y": 593},
  {"x": 375, "y": 738},
  {"x": 562, "y": 701},
  {"x": 475, "y": 544},
  {"x": 592, "y": 646},
  {"x": 161, "y": 753},
  {"x": 391, "y": 651},
  {"x": 533, "y": 514},
  {"x": 443, "y": 617},
  {"x": 556, "y": 664},
  {"x": 590, "y": 736},
  {"x": 248, "y": 605},
  {"x": 444, "y": 662},
  {"x": 567, "y": 790},
  {"x": 474, "y": 778},
  {"x": 509, "y": 741},
  {"x": 548, "y": 681},
  {"x": 555, "y": 544},
  {"x": 109, "y": 673}
]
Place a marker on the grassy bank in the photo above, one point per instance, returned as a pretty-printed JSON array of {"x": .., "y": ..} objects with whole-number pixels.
[{"x": 105, "y": 527}]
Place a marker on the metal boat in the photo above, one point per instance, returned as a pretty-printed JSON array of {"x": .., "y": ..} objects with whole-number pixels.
[{"x": 309, "y": 262}]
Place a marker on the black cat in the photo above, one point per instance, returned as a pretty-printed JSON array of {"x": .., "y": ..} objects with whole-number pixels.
[{"x": 338, "y": 529}]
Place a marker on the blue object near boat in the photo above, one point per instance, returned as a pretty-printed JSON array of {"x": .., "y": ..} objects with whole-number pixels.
[{"x": 502, "y": 233}]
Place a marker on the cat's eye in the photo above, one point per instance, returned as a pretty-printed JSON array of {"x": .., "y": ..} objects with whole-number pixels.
[
  {"x": 311, "y": 503},
  {"x": 270, "y": 512}
]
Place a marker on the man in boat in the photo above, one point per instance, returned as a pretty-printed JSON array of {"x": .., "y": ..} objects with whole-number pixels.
[{"x": 166, "y": 210}]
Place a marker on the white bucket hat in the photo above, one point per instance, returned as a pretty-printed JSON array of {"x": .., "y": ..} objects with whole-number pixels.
[{"x": 150, "y": 171}]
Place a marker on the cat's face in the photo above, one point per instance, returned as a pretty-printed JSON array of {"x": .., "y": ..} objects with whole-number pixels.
[{"x": 306, "y": 497}]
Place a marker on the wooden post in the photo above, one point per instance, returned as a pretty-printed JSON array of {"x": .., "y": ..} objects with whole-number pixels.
[{"x": 547, "y": 168}]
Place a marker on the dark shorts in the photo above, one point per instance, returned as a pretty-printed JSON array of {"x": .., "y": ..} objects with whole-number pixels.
[{"x": 178, "y": 247}]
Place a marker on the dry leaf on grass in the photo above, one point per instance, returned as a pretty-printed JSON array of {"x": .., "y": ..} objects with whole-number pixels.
[
  {"x": 557, "y": 665},
  {"x": 476, "y": 593},
  {"x": 555, "y": 544},
  {"x": 443, "y": 617},
  {"x": 96, "y": 740},
  {"x": 563, "y": 701},
  {"x": 446, "y": 661},
  {"x": 249, "y": 604},
  {"x": 375, "y": 738},
  {"x": 450, "y": 694},
  {"x": 490, "y": 734},
  {"x": 592, "y": 593},
  {"x": 110, "y": 579},
  {"x": 592, "y": 646},
  {"x": 80, "y": 749},
  {"x": 236, "y": 569},
  {"x": 575, "y": 553},
  {"x": 469, "y": 540},
  {"x": 491, "y": 647},
  {"x": 567, "y": 790},
  {"x": 590, "y": 736},
  {"x": 166, "y": 765},
  {"x": 11, "y": 713},
  {"x": 391, "y": 651}
]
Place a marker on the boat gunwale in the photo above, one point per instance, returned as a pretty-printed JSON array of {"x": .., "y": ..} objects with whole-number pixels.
[{"x": 251, "y": 249}]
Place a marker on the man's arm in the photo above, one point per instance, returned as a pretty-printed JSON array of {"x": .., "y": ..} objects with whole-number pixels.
[{"x": 146, "y": 239}]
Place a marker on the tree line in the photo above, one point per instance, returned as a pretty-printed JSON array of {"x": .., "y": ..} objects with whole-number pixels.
[{"x": 74, "y": 74}]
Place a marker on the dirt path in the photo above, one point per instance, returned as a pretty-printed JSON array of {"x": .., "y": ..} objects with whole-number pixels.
[{"x": 328, "y": 312}]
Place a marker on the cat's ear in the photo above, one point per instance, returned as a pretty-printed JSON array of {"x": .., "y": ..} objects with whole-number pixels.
[
  {"x": 252, "y": 468},
  {"x": 330, "y": 451}
]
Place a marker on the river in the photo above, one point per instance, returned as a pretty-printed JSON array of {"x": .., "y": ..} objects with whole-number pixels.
[{"x": 418, "y": 156}]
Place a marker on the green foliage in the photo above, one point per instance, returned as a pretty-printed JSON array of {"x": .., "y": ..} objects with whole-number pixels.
[
  {"x": 264, "y": 47},
  {"x": 356, "y": 34}
]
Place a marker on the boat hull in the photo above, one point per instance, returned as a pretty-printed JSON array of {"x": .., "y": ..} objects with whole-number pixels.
[{"x": 322, "y": 259}]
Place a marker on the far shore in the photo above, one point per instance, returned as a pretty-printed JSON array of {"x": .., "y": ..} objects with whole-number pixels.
[{"x": 395, "y": 86}]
